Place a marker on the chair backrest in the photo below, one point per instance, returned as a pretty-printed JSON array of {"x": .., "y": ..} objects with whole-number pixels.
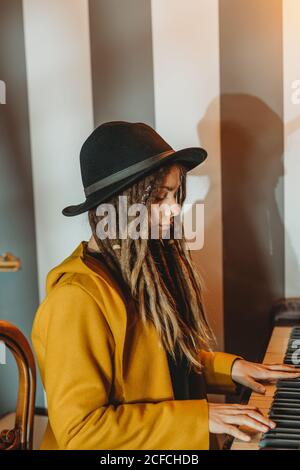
[{"x": 21, "y": 436}]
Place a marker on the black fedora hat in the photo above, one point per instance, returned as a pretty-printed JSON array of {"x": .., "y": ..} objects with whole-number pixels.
[{"x": 119, "y": 153}]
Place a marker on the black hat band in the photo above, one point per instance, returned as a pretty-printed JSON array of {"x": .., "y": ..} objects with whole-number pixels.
[{"x": 131, "y": 170}]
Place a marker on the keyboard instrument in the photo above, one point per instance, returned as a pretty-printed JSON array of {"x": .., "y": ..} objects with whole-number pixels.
[{"x": 281, "y": 402}]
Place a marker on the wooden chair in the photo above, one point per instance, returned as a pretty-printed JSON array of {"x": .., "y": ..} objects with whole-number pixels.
[{"x": 21, "y": 436}]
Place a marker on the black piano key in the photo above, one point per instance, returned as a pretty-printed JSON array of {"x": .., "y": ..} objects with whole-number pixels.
[
  {"x": 293, "y": 383},
  {"x": 287, "y": 423},
  {"x": 291, "y": 392},
  {"x": 283, "y": 436},
  {"x": 281, "y": 394},
  {"x": 282, "y": 416},
  {"x": 282, "y": 430},
  {"x": 285, "y": 411},
  {"x": 287, "y": 404},
  {"x": 280, "y": 401},
  {"x": 261, "y": 449},
  {"x": 283, "y": 389},
  {"x": 285, "y": 444},
  {"x": 277, "y": 400}
]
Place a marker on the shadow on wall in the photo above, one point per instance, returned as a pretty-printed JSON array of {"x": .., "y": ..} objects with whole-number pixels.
[
  {"x": 252, "y": 214},
  {"x": 209, "y": 259}
]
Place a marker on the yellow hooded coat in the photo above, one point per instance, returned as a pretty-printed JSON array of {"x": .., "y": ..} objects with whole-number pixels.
[{"x": 105, "y": 374}]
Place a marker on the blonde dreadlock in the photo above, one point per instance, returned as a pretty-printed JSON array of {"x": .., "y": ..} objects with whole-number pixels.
[{"x": 160, "y": 276}]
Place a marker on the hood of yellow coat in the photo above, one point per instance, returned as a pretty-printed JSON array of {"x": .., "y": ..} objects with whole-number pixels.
[
  {"x": 95, "y": 278},
  {"x": 80, "y": 262},
  {"x": 74, "y": 263}
]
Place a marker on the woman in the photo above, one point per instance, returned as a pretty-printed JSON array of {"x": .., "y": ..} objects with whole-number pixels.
[{"x": 122, "y": 340}]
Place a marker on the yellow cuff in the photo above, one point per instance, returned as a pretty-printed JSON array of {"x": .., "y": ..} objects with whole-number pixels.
[{"x": 217, "y": 372}]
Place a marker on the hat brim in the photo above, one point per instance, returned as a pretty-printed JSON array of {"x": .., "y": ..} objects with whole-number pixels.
[{"x": 190, "y": 157}]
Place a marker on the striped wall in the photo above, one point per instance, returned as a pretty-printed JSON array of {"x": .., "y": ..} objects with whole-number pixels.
[{"x": 197, "y": 71}]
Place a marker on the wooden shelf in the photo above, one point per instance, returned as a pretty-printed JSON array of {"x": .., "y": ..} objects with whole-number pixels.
[{"x": 9, "y": 262}]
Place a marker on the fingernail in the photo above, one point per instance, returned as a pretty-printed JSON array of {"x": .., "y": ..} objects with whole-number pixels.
[
  {"x": 273, "y": 425},
  {"x": 262, "y": 389}
]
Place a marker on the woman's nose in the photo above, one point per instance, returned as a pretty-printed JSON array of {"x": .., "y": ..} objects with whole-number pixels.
[
  {"x": 171, "y": 210},
  {"x": 176, "y": 208}
]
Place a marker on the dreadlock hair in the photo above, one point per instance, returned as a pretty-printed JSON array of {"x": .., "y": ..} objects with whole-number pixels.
[{"x": 160, "y": 275}]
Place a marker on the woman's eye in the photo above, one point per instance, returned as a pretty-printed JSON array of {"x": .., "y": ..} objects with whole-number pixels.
[{"x": 161, "y": 198}]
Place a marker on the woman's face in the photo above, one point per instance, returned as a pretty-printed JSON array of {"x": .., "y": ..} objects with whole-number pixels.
[{"x": 165, "y": 206}]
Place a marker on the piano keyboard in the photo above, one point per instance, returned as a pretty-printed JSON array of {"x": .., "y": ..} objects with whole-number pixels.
[{"x": 281, "y": 402}]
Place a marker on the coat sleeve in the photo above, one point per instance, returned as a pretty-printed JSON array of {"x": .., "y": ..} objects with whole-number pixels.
[
  {"x": 217, "y": 372},
  {"x": 77, "y": 374}
]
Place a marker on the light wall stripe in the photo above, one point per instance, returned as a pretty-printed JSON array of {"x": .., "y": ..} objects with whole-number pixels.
[
  {"x": 61, "y": 117},
  {"x": 291, "y": 64},
  {"x": 186, "y": 89}
]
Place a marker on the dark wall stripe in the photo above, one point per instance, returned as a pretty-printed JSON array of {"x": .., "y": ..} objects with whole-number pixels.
[
  {"x": 18, "y": 290},
  {"x": 121, "y": 58},
  {"x": 251, "y": 69}
]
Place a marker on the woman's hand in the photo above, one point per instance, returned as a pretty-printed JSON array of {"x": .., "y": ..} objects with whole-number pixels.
[
  {"x": 225, "y": 419},
  {"x": 250, "y": 373}
]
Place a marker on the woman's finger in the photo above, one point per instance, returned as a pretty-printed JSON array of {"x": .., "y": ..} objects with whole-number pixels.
[
  {"x": 236, "y": 411},
  {"x": 238, "y": 407},
  {"x": 283, "y": 367},
  {"x": 235, "y": 432},
  {"x": 281, "y": 375},
  {"x": 263, "y": 419},
  {"x": 257, "y": 415},
  {"x": 255, "y": 386},
  {"x": 245, "y": 420}
]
